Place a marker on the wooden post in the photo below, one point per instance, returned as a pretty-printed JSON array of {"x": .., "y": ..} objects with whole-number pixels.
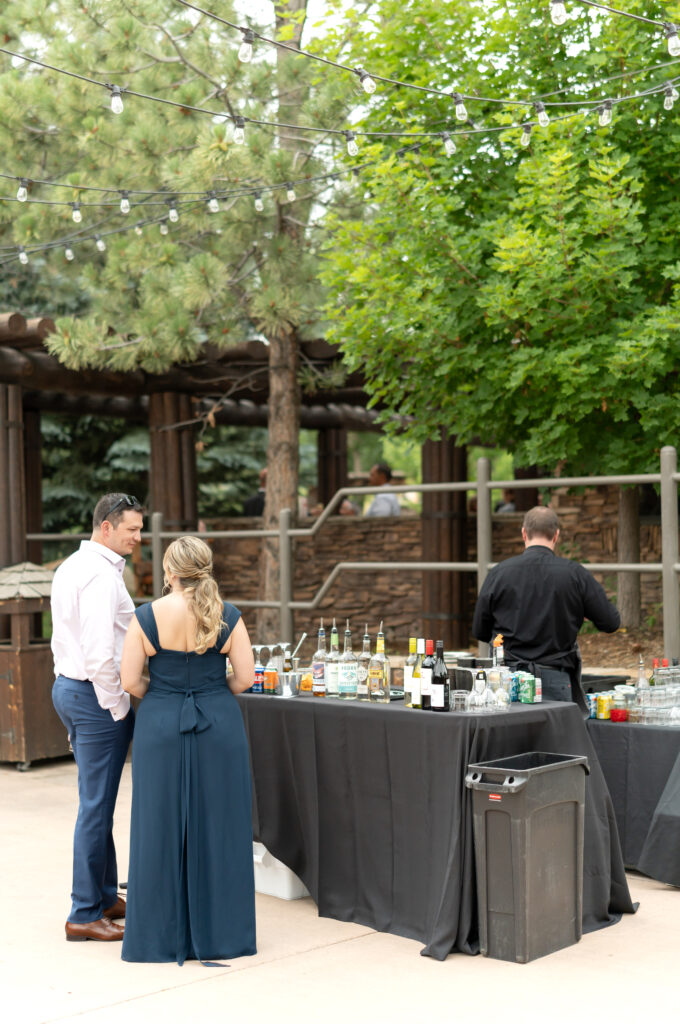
[
  {"x": 188, "y": 466},
  {"x": 331, "y": 462},
  {"x": 17, "y": 479},
  {"x": 446, "y": 603}
]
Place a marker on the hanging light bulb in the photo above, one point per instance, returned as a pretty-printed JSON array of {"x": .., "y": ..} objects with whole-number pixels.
[
  {"x": 125, "y": 202},
  {"x": 23, "y": 255},
  {"x": 138, "y": 229},
  {"x": 77, "y": 215},
  {"x": 671, "y": 95},
  {"x": 367, "y": 83},
  {"x": 449, "y": 144},
  {"x": 100, "y": 243},
  {"x": 605, "y": 112},
  {"x": 164, "y": 227},
  {"x": 352, "y": 147},
  {"x": 213, "y": 203},
  {"x": 173, "y": 215},
  {"x": 543, "y": 118},
  {"x": 558, "y": 12},
  {"x": 245, "y": 52},
  {"x": 68, "y": 253},
  {"x": 259, "y": 205},
  {"x": 116, "y": 100},
  {"x": 525, "y": 138},
  {"x": 239, "y": 133},
  {"x": 22, "y": 191},
  {"x": 672, "y": 36},
  {"x": 461, "y": 112},
  {"x": 290, "y": 192}
]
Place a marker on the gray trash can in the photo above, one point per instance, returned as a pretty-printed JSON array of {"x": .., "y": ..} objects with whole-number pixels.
[{"x": 528, "y": 825}]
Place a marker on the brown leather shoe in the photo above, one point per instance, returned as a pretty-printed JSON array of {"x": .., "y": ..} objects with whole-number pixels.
[
  {"x": 117, "y": 910},
  {"x": 102, "y": 930}
]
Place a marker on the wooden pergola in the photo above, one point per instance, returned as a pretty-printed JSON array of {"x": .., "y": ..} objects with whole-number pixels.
[{"x": 234, "y": 384}]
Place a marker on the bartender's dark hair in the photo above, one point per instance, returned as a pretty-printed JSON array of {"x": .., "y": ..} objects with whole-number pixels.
[{"x": 541, "y": 521}]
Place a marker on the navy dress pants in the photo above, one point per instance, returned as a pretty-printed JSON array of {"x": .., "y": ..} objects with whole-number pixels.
[{"x": 100, "y": 746}]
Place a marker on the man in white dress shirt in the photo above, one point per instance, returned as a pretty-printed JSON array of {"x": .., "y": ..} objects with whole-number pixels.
[
  {"x": 91, "y": 610},
  {"x": 387, "y": 504}
]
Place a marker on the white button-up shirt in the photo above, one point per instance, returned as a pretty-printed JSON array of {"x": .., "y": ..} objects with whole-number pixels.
[{"x": 91, "y": 611}]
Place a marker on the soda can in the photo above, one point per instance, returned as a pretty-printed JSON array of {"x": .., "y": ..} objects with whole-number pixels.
[
  {"x": 604, "y": 705},
  {"x": 591, "y": 700}
]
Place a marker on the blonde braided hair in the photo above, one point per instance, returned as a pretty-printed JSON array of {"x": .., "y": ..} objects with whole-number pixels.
[{"x": 190, "y": 559}]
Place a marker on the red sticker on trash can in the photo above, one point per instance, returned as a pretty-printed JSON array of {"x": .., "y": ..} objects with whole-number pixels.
[{"x": 495, "y": 796}]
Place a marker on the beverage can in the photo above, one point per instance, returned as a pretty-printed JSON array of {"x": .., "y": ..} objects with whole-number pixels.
[
  {"x": 604, "y": 705},
  {"x": 258, "y": 684}
]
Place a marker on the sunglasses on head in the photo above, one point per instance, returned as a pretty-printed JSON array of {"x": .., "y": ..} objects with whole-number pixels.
[{"x": 128, "y": 500}]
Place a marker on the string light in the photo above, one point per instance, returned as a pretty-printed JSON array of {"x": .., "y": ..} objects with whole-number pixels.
[
  {"x": 125, "y": 202},
  {"x": 449, "y": 144},
  {"x": 76, "y": 215},
  {"x": 290, "y": 192},
  {"x": 22, "y": 191},
  {"x": 352, "y": 147},
  {"x": 461, "y": 112},
  {"x": 525, "y": 137},
  {"x": 245, "y": 53},
  {"x": 138, "y": 229},
  {"x": 116, "y": 99},
  {"x": 23, "y": 255},
  {"x": 558, "y": 12},
  {"x": 173, "y": 215},
  {"x": 239, "y": 133},
  {"x": 543, "y": 118},
  {"x": 100, "y": 243},
  {"x": 672, "y": 36},
  {"x": 68, "y": 253},
  {"x": 213, "y": 203},
  {"x": 163, "y": 227},
  {"x": 367, "y": 83},
  {"x": 671, "y": 95},
  {"x": 605, "y": 112},
  {"x": 259, "y": 205}
]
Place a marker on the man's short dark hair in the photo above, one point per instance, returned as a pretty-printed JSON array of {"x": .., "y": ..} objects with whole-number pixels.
[
  {"x": 386, "y": 470},
  {"x": 112, "y": 507},
  {"x": 541, "y": 521}
]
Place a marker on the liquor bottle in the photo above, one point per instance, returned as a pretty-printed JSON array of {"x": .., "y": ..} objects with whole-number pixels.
[
  {"x": 416, "y": 700},
  {"x": 642, "y": 680},
  {"x": 332, "y": 661},
  {"x": 319, "y": 665},
  {"x": 347, "y": 669},
  {"x": 379, "y": 672},
  {"x": 408, "y": 670},
  {"x": 441, "y": 687},
  {"x": 362, "y": 667},
  {"x": 426, "y": 676}
]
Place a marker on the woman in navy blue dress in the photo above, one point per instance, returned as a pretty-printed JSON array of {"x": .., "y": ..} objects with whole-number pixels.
[{"x": 190, "y": 882}]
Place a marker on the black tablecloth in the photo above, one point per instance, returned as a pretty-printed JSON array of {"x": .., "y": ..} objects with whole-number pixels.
[
  {"x": 367, "y": 805},
  {"x": 641, "y": 764}
]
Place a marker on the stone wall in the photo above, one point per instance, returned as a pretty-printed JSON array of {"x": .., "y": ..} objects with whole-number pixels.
[{"x": 588, "y": 533}]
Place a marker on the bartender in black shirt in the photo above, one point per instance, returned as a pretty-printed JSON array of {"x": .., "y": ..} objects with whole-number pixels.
[{"x": 538, "y": 601}]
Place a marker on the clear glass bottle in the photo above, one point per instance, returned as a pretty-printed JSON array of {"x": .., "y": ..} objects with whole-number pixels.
[
  {"x": 362, "y": 667},
  {"x": 441, "y": 685},
  {"x": 347, "y": 669},
  {"x": 319, "y": 665},
  {"x": 408, "y": 670},
  {"x": 379, "y": 671},
  {"x": 332, "y": 663},
  {"x": 655, "y": 669},
  {"x": 416, "y": 700},
  {"x": 426, "y": 676}
]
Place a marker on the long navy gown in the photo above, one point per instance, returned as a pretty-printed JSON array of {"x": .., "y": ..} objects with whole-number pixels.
[{"x": 190, "y": 882}]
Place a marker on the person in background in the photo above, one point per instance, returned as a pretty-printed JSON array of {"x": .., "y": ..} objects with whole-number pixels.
[
  {"x": 91, "y": 611},
  {"x": 254, "y": 506},
  {"x": 538, "y": 601},
  {"x": 507, "y": 503},
  {"x": 383, "y": 504}
]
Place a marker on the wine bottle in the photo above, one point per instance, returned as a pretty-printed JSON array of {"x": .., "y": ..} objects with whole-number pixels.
[
  {"x": 416, "y": 700},
  {"x": 426, "y": 676},
  {"x": 408, "y": 670},
  {"x": 441, "y": 687},
  {"x": 379, "y": 672}
]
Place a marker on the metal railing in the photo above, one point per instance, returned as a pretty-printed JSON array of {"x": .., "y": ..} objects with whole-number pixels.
[{"x": 669, "y": 567}]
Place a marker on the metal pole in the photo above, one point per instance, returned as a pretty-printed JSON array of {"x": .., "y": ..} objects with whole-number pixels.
[
  {"x": 285, "y": 575},
  {"x": 669, "y": 552},
  {"x": 157, "y": 552},
  {"x": 483, "y": 531}
]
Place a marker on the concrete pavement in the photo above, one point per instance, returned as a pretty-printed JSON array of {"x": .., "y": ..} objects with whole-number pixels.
[{"x": 308, "y": 968}]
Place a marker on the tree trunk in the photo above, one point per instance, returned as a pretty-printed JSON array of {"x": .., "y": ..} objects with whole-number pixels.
[{"x": 628, "y": 590}]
